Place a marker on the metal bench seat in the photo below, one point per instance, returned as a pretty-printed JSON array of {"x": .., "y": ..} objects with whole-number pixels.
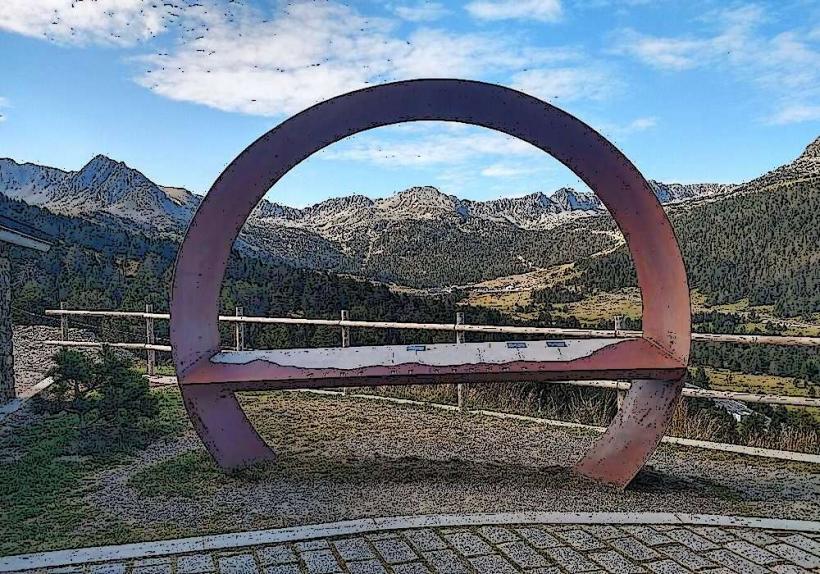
[{"x": 440, "y": 363}]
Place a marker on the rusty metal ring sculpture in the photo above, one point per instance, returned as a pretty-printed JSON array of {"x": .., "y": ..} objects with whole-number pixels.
[{"x": 656, "y": 362}]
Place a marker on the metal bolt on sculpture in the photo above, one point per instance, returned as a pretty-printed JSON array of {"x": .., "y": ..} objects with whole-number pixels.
[{"x": 209, "y": 377}]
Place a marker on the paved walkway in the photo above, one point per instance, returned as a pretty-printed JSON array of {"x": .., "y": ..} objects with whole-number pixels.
[{"x": 485, "y": 544}]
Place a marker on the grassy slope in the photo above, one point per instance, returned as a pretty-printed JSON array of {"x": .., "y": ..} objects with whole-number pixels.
[{"x": 43, "y": 484}]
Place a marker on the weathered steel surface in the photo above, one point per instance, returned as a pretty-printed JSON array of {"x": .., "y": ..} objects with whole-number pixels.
[
  {"x": 478, "y": 362},
  {"x": 662, "y": 351},
  {"x": 223, "y": 427}
]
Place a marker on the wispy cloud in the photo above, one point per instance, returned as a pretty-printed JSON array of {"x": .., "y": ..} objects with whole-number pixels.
[
  {"x": 617, "y": 130},
  {"x": 567, "y": 83},
  {"x": 4, "y": 103},
  {"x": 540, "y": 10},
  {"x": 641, "y": 124},
  {"x": 662, "y": 53},
  {"x": 120, "y": 22},
  {"x": 795, "y": 113},
  {"x": 733, "y": 40},
  {"x": 786, "y": 65},
  {"x": 434, "y": 145},
  {"x": 421, "y": 11},
  {"x": 311, "y": 51},
  {"x": 510, "y": 170}
]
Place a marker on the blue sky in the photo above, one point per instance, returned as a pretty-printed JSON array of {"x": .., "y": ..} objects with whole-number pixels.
[{"x": 690, "y": 91}]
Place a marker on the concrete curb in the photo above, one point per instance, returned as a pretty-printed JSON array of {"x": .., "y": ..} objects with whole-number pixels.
[{"x": 351, "y": 527}]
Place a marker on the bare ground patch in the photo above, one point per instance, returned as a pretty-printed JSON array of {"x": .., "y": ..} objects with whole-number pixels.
[{"x": 344, "y": 458}]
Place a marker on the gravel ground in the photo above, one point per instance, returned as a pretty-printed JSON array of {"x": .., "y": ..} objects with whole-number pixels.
[
  {"x": 345, "y": 458},
  {"x": 32, "y": 358}
]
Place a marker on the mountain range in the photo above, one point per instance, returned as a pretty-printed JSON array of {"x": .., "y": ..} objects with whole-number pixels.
[
  {"x": 391, "y": 239},
  {"x": 418, "y": 237},
  {"x": 108, "y": 188}
]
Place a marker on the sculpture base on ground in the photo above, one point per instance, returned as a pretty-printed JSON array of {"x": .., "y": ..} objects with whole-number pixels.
[{"x": 615, "y": 458}]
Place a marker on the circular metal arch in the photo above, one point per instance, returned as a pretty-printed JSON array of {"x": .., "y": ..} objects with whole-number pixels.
[{"x": 203, "y": 256}]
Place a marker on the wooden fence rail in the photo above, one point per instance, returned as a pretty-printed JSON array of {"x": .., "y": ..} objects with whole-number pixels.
[
  {"x": 778, "y": 340},
  {"x": 459, "y": 328}
]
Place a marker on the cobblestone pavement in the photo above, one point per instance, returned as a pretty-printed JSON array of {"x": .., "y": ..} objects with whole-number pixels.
[{"x": 542, "y": 549}]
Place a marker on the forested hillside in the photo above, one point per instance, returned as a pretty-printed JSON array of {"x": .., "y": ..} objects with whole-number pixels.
[
  {"x": 94, "y": 267},
  {"x": 428, "y": 254},
  {"x": 758, "y": 240},
  {"x": 419, "y": 237},
  {"x": 763, "y": 245}
]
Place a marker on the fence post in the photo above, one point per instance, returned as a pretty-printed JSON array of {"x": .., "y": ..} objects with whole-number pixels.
[
  {"x": 150, "y": 339},
  {"x": 63, "y": 324},
  {"x": 345, "y": 336},
  {"x": 239, "y": 331},
  {"x": 620, "y": 395},
  {"x": 460, "y": 388},
  {"x": 345, "y": 330}
]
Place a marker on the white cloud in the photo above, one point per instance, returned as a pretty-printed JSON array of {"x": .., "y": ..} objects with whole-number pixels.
[
  {"x": 681, "y": 53},
  {"x": 614, "y": 130},
  {"x": 438, "y": 145},
  {"x": 796, "y": 113},
  {"x": 566, "y": 83},
  {"x": 786, "y": 66},
  {"x": 662, "y": 53},
  {"x": 421, "y": 11},
  {"x": 309, "y": 52},
  {"x": 4, "y": 103},
  {"x": 641, "y": 124},
  {"x": 275, "y": 59},
  {"x": 613, "y": 4},
  {"x": 507, "y": 170},
  {"x": 305, "y": 53},
  {"x": 540, "y": 10},
  {"x": 120, "y": 22}
]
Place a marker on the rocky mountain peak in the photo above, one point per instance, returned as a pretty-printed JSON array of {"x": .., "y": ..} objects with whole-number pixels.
[
  {"x": 108, "y": 180},
  {"x": 539, "y": 199},
  {"x": 424, "y": 194},
  {"x": 355, "y": 201},
  {"x": 270, "y": 209},
  {"x": 423, "y": 200},
  {"x": 422, "y": 191},
  {"x": 98, "y": 169},
  {"x": 571, "y": 200},
  {"x": 337, "y": 210},
  {"x": 102, "y": 162}
]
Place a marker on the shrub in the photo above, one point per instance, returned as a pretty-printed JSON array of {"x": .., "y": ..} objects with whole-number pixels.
[{"x": 111, "y": 400}]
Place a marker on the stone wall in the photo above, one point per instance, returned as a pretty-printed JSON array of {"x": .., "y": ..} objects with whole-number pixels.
[{"x": 6, "y": 352}]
